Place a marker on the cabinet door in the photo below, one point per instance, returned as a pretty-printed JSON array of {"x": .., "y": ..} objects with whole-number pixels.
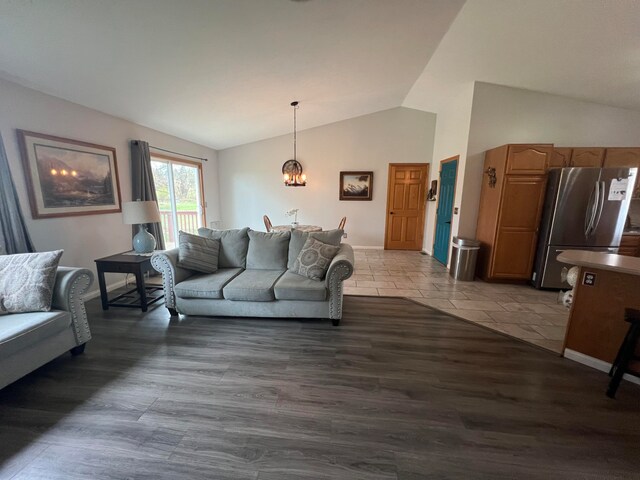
[
  {"x": 560, "y": 157},
  {"x": 624, "y": 157},
  {"x": 528, "y": 159},
  {"x": 519, "y": 220},
  {"x": 629, "y": 245},
  {"x": 587, "y": 157}
]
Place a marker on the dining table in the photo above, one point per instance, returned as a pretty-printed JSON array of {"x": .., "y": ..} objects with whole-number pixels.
[{"x": 302, "y": 228}]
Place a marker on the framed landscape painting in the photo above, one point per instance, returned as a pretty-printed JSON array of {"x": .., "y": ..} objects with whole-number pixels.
[
  {"x": 356, "y": 185},
  {"x": 68, "y": 177}
]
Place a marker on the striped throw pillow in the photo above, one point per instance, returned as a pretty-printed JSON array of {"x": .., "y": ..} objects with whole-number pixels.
[{"x": 198, "y": 253}]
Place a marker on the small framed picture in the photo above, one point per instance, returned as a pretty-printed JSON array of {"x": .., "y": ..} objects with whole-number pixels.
[
  {"x": 68, "y": 177},
  {"x": 356, "y": 185}
]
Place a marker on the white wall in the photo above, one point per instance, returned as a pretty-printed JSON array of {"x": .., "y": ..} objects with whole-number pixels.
[
  {"x": 451, "y": 101},
  {"x": 251, "y": 179},
  {"x": 452, "y": 130},
  {"x": 85, "y": 238},
  {"x": 510, "y": 115}
]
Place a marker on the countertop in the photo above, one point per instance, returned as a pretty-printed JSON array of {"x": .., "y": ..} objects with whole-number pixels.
[{"x": 604, "y": 261}]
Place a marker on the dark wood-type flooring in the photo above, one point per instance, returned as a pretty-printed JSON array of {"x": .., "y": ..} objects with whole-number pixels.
[{"x": 398, "y": 391}]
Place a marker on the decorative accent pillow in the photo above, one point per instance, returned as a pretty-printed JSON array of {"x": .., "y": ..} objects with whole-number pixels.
[
  {"x": 314, "y": 259},
  {"x": 332, "y": 237},
  {"x": 233, "y": 246},
  {"x": 27, "y": 280},
  {"x": 198, "y": 253}
]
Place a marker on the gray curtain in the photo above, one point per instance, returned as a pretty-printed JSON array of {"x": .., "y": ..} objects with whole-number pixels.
[
  {"x": 14, "y": 237},
  {"x": 143, "y": 186}
]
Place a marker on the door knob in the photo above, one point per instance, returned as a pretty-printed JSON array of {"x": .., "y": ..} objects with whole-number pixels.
[{"x": 390, "y": 213}]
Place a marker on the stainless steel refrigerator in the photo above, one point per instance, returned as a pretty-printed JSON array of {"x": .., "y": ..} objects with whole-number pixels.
[{"x": 584, "y": 209}]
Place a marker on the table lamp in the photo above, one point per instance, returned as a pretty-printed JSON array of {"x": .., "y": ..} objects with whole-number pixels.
[{"x": 140, "y": 213}]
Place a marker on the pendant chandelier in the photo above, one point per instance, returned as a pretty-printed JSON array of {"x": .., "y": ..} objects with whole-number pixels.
[{"x": 291, "y": 169}]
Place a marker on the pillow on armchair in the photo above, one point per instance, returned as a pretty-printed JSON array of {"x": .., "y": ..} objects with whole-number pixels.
[{"x": 27, "y": 280}]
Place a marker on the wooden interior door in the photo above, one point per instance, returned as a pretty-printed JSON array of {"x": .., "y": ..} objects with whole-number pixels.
[
  {"x": 406, "y": 202},
  {"x": 444, "y": 211}
]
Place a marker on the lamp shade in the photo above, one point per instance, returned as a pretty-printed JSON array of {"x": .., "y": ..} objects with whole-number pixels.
[{"x": 134, "y": 213}]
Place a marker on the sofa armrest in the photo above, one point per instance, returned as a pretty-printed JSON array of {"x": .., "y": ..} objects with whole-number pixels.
[
  {"x": 71, "y": 284},
  {"x": 167, "y": 264},
  {"x": 341, "y": 266},
  {"x": 340, "y": 269}
]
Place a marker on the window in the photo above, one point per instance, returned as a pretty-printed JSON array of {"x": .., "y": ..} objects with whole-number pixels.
[{"x": 180, "y": 196}]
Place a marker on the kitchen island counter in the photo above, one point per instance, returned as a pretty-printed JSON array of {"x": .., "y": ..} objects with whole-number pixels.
[{"x": 606, "y": 285}]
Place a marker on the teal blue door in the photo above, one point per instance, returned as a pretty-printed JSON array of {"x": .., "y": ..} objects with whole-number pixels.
[{"x": 445, "y": 211}]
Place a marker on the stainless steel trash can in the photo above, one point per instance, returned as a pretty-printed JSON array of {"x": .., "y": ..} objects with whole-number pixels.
[{"x": 464, "y": 255}]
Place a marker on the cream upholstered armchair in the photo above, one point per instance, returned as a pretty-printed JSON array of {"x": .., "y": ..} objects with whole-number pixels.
[{"x": 29, "y": 340}]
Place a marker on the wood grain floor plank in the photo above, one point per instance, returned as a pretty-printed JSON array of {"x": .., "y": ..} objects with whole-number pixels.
[{"x": 399, "y": 391}]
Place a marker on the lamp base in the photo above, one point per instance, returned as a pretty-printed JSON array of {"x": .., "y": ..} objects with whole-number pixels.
[{"x": 144, "y": 242}]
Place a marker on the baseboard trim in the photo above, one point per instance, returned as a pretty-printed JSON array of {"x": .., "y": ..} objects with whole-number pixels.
[
  {"x": 367, "y": 247},
  {"x": 595, "y": 363},
  {"x": 96, "y": 293}
]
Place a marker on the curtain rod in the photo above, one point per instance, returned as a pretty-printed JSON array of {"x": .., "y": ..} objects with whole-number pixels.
[{"x": 177, "y": 153}]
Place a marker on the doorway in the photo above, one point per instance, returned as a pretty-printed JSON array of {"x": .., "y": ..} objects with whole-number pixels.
[
  {"x": 444, "y": 211},
  {"x": 406, "y": 205}
]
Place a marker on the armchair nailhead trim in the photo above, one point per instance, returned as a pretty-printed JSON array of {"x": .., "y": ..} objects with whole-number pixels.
[{"x": 78, "y": 310}]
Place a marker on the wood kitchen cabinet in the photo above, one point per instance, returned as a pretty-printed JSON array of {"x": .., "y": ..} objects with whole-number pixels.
[
  {"x": 587, "y": 157},
  {"x": 630, "y": 246},
  {"x": 510, "y": 210},
  {"x": 563, "y": 157},
  {"x": 560, "y": 157},
  {"x": 624, "y": 157}
]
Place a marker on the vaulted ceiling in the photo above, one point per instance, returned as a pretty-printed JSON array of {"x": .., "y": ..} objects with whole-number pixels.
[{"x": 223, "y": 72}]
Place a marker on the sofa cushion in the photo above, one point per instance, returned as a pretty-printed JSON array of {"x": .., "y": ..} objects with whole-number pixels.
[
  {"x": 268, "y": 251},
  {"x": 298, "y": 238},
  {"x": 27, "y": 280},
  {"x": 206, "y": 286},
  {"x": 20, "y": 330},
  {"x": 198, "y": 253},
  {"x": 314, "y": 259},
  {"x": 233, "y": 246},
  {"x": 253, "y": 286},
  {"x": 292, "y": 286}
]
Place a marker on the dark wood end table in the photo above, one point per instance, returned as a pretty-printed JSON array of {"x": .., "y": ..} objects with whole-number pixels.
[{"x": 128, "y": 263}]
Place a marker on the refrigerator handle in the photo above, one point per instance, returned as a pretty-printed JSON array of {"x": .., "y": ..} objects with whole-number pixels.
[
  {"x": 600, "y": 206},
  {"x": 591, "y": 211}
]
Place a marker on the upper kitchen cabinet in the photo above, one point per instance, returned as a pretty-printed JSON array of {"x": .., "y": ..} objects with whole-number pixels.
[
  {"x": 528, "y": 159},
  {"x": 624, "y": 157},
  {"x": 513, "y": 188},
  {"x": 560, "y": 157},
  {"x": 587, "y": 157}
]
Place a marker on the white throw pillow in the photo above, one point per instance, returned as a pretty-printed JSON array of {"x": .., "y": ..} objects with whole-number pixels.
[{"x": 27, "y": 280}]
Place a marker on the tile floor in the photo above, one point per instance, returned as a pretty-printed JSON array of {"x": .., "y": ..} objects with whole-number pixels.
[{"x": 517, "y": 310}]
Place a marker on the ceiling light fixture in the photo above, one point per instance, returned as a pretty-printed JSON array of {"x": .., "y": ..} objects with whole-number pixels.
[{"x": 291, "y": 169}]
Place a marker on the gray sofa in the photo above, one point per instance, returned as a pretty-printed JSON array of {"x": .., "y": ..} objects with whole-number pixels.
[
  {"x": 254, "y": 278},
  {"x": 29, "y": 340}
]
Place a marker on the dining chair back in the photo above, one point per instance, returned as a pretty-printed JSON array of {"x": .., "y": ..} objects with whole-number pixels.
[
  {"x": 267, "y": 223},
  {"x": 343, "y": 222}
]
